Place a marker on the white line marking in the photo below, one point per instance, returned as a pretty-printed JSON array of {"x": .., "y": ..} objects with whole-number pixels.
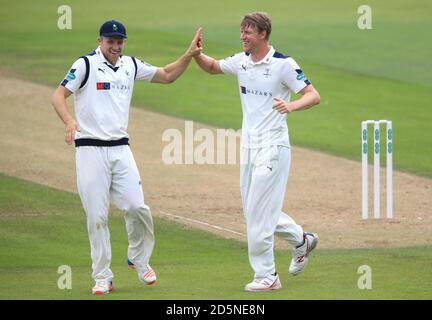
[{"x": 203, "y": 223}]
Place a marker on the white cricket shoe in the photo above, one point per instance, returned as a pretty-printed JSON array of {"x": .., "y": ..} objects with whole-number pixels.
[
  {"x": 102, "y": 287},
  {"x": 146, "y": 275},
  {"x": 300, "y": 256},
  {"x": 268, "y": 283}
]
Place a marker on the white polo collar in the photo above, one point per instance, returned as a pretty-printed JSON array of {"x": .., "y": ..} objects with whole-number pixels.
[
  {"x": 102, "y": 57},
  {"x": 266, "y": 59}
]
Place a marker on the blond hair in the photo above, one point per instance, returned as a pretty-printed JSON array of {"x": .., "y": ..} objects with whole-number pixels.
[{"x": 261, "y": 21}]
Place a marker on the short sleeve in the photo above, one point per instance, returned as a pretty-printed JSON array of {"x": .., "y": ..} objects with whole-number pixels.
[
  {"x": 230, "y": 65},
  {"x": 293, "y": 77},
  {"x": 145, "y": 71},
  {"x": 75, "y": 76}
]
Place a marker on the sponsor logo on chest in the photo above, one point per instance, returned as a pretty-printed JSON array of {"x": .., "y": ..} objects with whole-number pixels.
[
  {"x": 113, "y": 80},
  {"x": 255, "y": 92},
  {"x": 103, "y": 86},
  {"x": 111, "y": 86}
]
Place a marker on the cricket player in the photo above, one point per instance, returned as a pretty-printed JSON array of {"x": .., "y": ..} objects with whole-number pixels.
[
  {"x": 266, "y": 80},
  {"x": 102, "y": 83}
]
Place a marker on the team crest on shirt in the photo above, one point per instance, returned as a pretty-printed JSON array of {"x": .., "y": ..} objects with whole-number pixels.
[{"x": 267, "y": 72}]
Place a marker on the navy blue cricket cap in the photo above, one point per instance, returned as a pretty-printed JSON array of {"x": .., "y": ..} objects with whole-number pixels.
[{"x": 113, "y": 28}]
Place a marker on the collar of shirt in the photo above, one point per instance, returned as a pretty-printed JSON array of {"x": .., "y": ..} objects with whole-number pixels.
[
  {"x": 266, "y": 59},
  {"x": 103, "y": 59}
]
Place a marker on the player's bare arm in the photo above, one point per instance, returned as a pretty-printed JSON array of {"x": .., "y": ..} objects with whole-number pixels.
[
  {"x": 59, "y": 103},
  {"x": 208, "y": 64},
  {"x": 309, "y": 98},
  {"x": 172, "y": 71}
]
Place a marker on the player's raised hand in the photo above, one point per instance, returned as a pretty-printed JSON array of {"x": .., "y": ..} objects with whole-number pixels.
[
  {"x": 195, "y": 48},
  {"x": 71, "y": 127},
  {"x": 200, "y": 38}
]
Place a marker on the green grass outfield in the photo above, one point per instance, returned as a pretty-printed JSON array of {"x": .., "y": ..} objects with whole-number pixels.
[
  {"x": 42, "y": 229},
  {"x": 361, "y": 74}
]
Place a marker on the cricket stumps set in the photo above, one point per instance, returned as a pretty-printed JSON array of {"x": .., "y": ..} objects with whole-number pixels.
[{"x": 376, "y": 171}]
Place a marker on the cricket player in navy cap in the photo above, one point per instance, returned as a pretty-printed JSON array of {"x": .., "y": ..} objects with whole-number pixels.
[{"x": 102, "y": 84}]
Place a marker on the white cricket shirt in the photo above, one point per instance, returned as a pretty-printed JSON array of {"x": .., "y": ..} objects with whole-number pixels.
[
  {"x": 275, "y": 76},
  {"x": 102, "y": 104}
]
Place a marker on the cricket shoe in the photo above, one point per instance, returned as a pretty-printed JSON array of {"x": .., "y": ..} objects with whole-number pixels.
[
  {"x": 301, "y": 253},
  {"x": 146, "y": 275},
  {"x": 268, "y": 283},
  {"x": 102, "y": 287}
]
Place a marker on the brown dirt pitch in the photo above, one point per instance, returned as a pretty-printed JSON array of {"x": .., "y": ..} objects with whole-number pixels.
[{"x": 323, "y": 194}]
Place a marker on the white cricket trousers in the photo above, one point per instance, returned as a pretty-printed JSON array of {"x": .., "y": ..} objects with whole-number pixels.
[
  {"x": 105, "y": 171},
  {"x": 263, "y": 179}
]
